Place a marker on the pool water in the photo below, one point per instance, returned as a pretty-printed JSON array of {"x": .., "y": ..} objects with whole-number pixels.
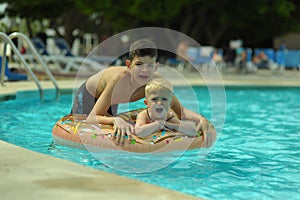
[{"x": 256, "y": 156}]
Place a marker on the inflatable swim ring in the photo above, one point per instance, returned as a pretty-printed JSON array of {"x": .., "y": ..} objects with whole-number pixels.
[{"x": 74, "y": 131}]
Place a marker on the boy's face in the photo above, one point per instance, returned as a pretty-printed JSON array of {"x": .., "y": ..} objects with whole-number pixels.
[
  {"x": 142, "y": 68},
  {"x": 159, "y": 102}
]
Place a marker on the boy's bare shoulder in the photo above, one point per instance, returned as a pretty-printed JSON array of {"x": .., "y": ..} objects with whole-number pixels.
[
  {"x": 113, "y": 71},
  {"x": 142, "y": 114},
  {"x": 116, "y": 68},
  {"x": 106, "y": 75},
  {"x": 157, "y": 75}
]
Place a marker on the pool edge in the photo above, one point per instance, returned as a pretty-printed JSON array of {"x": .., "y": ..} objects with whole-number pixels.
[{"x": 32, "y": 175}]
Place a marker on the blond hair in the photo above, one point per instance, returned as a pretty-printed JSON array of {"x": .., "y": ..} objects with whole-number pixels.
[{"x": 158, "y": 84}]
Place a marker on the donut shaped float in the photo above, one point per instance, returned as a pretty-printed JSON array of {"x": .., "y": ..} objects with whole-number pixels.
[{"x": 73, "y": 131}]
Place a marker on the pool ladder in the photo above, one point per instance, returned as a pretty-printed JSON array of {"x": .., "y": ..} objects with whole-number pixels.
[{"x": 8, "y": 40}]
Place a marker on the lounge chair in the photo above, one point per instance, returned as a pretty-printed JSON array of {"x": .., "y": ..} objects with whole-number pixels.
[
  {"x": 40, "y": 46},
  {"x": 289, "y": 58},
  {"x": 199, "y": 56},
  {"x": 66, "y": 63},
  {"x": 65, "y": 49},
  {"x": 12, "y": 76}
]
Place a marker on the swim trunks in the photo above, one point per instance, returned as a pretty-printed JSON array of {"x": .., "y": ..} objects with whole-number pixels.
[{"x": 84, "y": 102}]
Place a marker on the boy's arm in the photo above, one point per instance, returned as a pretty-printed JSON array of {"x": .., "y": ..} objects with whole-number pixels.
[
  {"x": 99, "y": 111},
  {"x": 185, "y": 127},
  {"x": 202, "y": 124},
  {"x": 142, "y": 129},
  {"x": 185, "y": 114}
]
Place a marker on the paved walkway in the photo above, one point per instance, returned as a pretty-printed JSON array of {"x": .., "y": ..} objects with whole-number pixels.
[{"x": 30, "y": 175}]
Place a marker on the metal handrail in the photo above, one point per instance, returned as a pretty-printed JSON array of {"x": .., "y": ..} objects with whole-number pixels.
[
  {"x": 38, "y": 58},
  {"x": 3, "y": 64},
  {"x": 18, "y": 54}
]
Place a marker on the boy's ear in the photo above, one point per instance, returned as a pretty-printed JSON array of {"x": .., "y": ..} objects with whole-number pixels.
[
  {"x": 128, "y": 64},
  {"x": 146, "y": 102},
  {"x": 156, "y": 66}
]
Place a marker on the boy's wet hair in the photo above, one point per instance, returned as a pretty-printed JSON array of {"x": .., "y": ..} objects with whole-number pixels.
[
  {"x": 142, "y": 48},
  {"x": 158, "y": 84}
]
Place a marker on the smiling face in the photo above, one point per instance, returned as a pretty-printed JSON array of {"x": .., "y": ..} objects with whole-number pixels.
[
  {"x": 142, "y": 68},
  {"x": 159, "y": 102}
]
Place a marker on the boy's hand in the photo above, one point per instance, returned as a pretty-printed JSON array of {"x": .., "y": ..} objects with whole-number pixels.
[
  {"x": 160, "y": 124},
  {"x": 203, "y": 127},
  {"x": 189, "y": 127},
  {"x": 122, "y": 130}
]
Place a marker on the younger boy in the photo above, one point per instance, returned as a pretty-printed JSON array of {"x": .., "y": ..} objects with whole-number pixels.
[{"x": 158, "y": 115}]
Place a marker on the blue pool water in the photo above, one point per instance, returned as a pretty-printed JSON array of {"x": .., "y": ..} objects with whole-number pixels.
[{"x": 257, "y": 156}]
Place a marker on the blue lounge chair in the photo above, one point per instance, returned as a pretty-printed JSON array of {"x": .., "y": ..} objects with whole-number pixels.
[
  {"x": 280, "y": 58},
  {"x": 271, "y": 54},
  {"x": 12, "y": 76},
  {"x": 173, "y": 62},
  {"x": 59, "y": 61},
  {"x": 67, "y": 61},
  {"x": 65, "y": 49},
  {"x": 198, "y": 58},
  {"x": 40, "y": 46},
  {"x": 288, "y": 59},
  {"x": 291, "y": 58}
]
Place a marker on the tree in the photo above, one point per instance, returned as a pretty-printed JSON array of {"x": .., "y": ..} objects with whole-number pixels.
[
  {"x": 122, "y": 15},
  {"x": 214, "y": 22},
  {"x": 66, "y": 15},
  {"x": 210, "y": 22}
]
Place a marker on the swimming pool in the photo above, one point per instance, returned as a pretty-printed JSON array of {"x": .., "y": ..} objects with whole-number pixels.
[{"x": 257, "y": 156}]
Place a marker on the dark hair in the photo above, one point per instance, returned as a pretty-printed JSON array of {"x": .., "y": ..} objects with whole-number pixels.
[{"x": 142, "y": 48}]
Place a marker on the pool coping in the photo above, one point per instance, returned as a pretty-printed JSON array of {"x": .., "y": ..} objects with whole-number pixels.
[
  {"x": 30, "y": 175},
  {"x": 27, "y": 174},
  {"x": 291, "y": 80}
]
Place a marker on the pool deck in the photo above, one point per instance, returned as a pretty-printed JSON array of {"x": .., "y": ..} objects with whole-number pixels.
[
  {"x": 263, "y": 78},
  {"x": 30, "y": 175}
]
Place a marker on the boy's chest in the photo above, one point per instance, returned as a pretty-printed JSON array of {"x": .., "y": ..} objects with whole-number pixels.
[{"x": 123, "y": 94}]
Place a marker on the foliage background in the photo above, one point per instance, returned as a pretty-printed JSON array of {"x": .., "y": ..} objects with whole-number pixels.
[{"x": 210, "y": 22}]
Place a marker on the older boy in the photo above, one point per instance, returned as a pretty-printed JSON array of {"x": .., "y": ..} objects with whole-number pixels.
[{"x": 99, "y": 96}]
